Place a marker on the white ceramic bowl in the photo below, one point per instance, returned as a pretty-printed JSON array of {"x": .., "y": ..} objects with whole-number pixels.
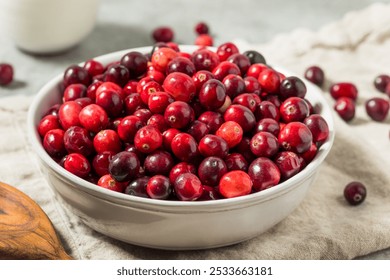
[{"x": 173, "y": 225}]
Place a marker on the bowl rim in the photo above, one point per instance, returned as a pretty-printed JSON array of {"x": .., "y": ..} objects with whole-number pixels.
[{"x": 34, "y": 115}]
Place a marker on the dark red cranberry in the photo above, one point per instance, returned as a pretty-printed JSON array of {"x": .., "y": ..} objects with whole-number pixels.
[
  {"x": 234, "y": 85},
  {"x": 93, "y": 118},
  {"x": 213, "y": 145},
  {"x": 312, "y": 109},
  {"x": 201, "y": 28},
  {"x": 128, "y": 127},
  {"x": 108, "y": 182},
  {"x": 143, "y": 114},
  {"x": 84, "y": 101},
  {"x": 236, "y": 161},
  {"x": 241, "y": 115},
  {"x": 168, "y": 136},
  {"x": 225, "y": 68},
  {"x": 184, "y": 147},
  {"x": 204, "y": 40},
  {"x": 107, "y": 140},
  {"x": 247, "y": 100},
  {"x": 74, "y": 91},
  {"x": 138, "y": 187},
  {"x": 136, "y": 63},
  {"x": 355, "y": 193},
  {"x": 268, "y": 125},
  {"x": 292, "y": 87},
  {"x": 53, "y": 110},
  {"x": 235, "y": 183},
  {"x": 213, "y": 119},
  {"x": 48, "y": 123},
  {"x": 381, "y": 82},
  {"x": 205, "y": 59},
  {"x": 53, "y": 143},
  {"x": 6, "y": 74},
  {"x": 163, "y": 34},
  {"x": 231, "y": 132},
  {"x": 344, "y": 90},
  {"x": 310, "y": 154},
  {"x": 181, "y": 64},
  {"x": 345, "y": 108},
  {"x": 158, "y": 162},
  {"x": 124, "y": 166},
  {"x": 264, "y": 144},
  {"x": 295, "y": 137},
  {"x": 159, "y": 187},
  {"x": 75, "y": 74},
  {"x": 244, "y": 149},
  {"x": 288, "y": 164},
  {"x": 179, "y": 114},
  {"x": 201, "y": 77},
  {"x": 100, "y": 163},
  {"x": 264, "y": 174},
  {"x": 132, "y": 103},
  {"x": 294, "y": 109},
  {"x": 274, "y": 99},
  {"x": 198, "y": 130},
  {"x": 319, "y": 128},
  {"x": 77, "y": 140},
  {"x": 315, "y": 75},
  {"x": 77, "y": 164},
  {"x": 209, "y": 193},
  {"x": 241, "y": 61},
  {"x": 211, "y": 170},
  {"x": 377, "y": 108},
  {"x": 269, "y": 80},
  {"x": 212, "y": 94},
  {"x": 225, "y": 50},
  {"x": 111, "y": 102},
  {"x": 158, "y": 121},
  {"x": 254, "y": 57},
  {"x": 68, "y": 114},
  {"x": 181, "y": 168},
  {"x": 180, "y": 86},
  {"x": 267, "y": 109},
  {"x": 252, "y": 85},
  {"x": 162, "y": 57},
  {"x": 93, "y": 67},
  {"x": 188, "y": 187},
  {"x": 148, "y": 139}
]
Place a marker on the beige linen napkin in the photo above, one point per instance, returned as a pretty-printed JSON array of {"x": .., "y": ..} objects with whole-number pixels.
[{"x": 324, "y": 226}]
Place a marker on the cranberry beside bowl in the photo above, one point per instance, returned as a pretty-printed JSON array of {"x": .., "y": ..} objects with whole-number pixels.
[{"x": 171, "y": 224}]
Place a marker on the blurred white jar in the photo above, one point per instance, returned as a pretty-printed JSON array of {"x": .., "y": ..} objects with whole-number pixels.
[{"x": 47, "y": 26}]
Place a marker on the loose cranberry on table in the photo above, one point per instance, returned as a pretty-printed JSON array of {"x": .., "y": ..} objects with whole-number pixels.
[
  {"x": 6, "y": 74},
  {"x": 355, "y": 193},
  {"x": 381, "y": 82},
  {"x": 315, "y": 75},
  {"x": 163, "y": 34},
  {"x": 345, "y": 108},
  {"x": 204, "y": 40},
  {"x": 201, "y": 28},
  {"x": 377, "y": 108},
  {"x": 344, "y": 90}
]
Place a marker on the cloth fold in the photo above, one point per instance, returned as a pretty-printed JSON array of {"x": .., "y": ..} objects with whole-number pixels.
[{"x": 324, "y": 226}]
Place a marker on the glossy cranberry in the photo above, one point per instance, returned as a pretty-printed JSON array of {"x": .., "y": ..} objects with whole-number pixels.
[
  {"x": 180, "y": 86},
  {"x": 143, "y": 114},
  {"x": 200, "y": 77},
  {"x": 159, "y": 187},
  {"x": 181, "y": 168},
  {"x": 158, "y": 121},
  {"x": 155, "y": 75},
  {"x": 241, "y": 61},
  {"x": 269, "y": 80},
  {"x": 205, "y": 59},
  {"x": 264, "y": 174},
  {"x": 264, "y": 144},
  {"x": 184, "y": 147},
  {"x": 294, "y": 109},
  {"x": 53, "y": 143},
  {"x": 288, "y": 164},
  {"x": 188, "y": 187},
  {"x": 255, "y": 70},
  {"x": 101, "y": 161},
  {"x": 148, "y": 139},
  {"x": 178, "y": 114},
  {"x": 213, "y": 145},
  {"x": 163, "y": 34},
  {"x": 162, "y": 57},
  {"x": 247, "y": 100},
  {"x": 295, "y": 137},
  {"x": 198, "y": 130},
  {"x": 319, "y": 128},
  {"x": 209, "y": 193},
  {"x": 6, "y": 74},
  {"x": 53, "y": 110},
  {"x": 211, "y": 170},
  {"x": 355, "y": 193},
  {"x": 235, "y": 183},
  {"x": 149, "y": 88},
  {"x": 254, "y": 57},
  {"x": 344, "y": 90},
  {"x": 124, "y": 166},
  {"x": 225, "y": 50},
  {"x": 77, "y": 164},
  {"x": 315, "y": 75},
  {"x": 128, "y": 127},
  {"x": 345, "y": 108},
  {"x": 74, "y": 91},
  {"x": 68, "y": 114},
  {"x": 138, "y": 187},
  {"x": 241, "y": 115},
  {"x": 252, "y": 85},
  {"x": 135, "y": 62},
  {"x": 75, "y": 74},
  {"x": 381, "y": 82},
  {"x": 130, "y": 88},
  {"x": 231, "y": 132},
  {"x": 107, "y": 140},
  {"x": 182, "y": 65},
  {"x": 310, "y": 154},
  {"x": 204, "y": 40},
  {"x": 93, "y": 118},
  {"x": 83, "y": 101},
  {"x": 312, "y": 109},
  {"x": 201, "y": 28},
  {"x": 234, "y": 85},
  {"x": 244, "y": 149},
  {"x": 213, "y": 119},
  {"x": 93, "y": 67},
  {"x": 212, "y": 94},
  {"x": 236, "y": 161},
  {"x": 292, "y": 87},
  {"x": 48, "y": 123},
  {"x": 267, "y": 109},
  {"x": 168, "y": 136},
  {"x": 377, "y": 108},
  {"x": 225, "y": 68},
  {"x": 77, "y": 140},
  {"x": 108, "y": 182},
  {"x": 268, "y": 125},
  {"x": 132, "y": 103},
  {"x": 158, "y": 162},
  {"x": 274, "y": 99}
]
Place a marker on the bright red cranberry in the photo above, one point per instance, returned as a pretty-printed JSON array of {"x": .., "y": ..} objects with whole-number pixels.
[
  {"x": 48, "y": 123},
  {"x": 236, "y": 161},
  {"x": 319, "y": 128},
  {"x": 344, "y": 90},
  {"x": 158, "y": 121},
  {"x": 181, "y": 168},
  {"x": 247, "y": 100},
  {"x": 162, "y": 57},
  {"x": 77, "y": 140},
  {"x": 93, "y": 67},
  {"x": 74, "y": 91},
  {"x": 142, "y": 82},
  {"x": 184, "y": 147},
  {"x": 264, "y": 174},
  {"x": 180, "y": 86},
  {"x": 269, "y": 80},
  {"x": 211, "y": 170},
  {"x": 198, "y": 130},
  {"x": 6, "y": 74},
  {"x": 241, "y": 115},
  {"x": 75, "y": 74},
  {"x": 158, "y": 162},
  {"x": 205, "y": 59},
  {"x": 315, "y": 75},
  {"x": 182, "y": 65},
  {"x": 178, "y": 114},
  {"x": 204, "y": 40},
  {"x": 68, "y": 114},
  {"x": 163, "y": 34},
  {"x": 188, "y": 187},
  {"x": 231, "y": 132},
  {"x": 201, "y": 28},
  {"x": 252, "y": 85},
  {"x": 264, "y": 144},
  {"x": 295, "y": 137},
  {"x": 168, "y": 136},
  {"x": 128, "y": 127},
  {"x": 310, "y": 154},
  {"x": 109, "y": 86},
  {"x": 355, "y": 193},
  {"x": 213, "y": 145},
  {"x": 138, "y": 187},
  {"x": 381, "y": 82},
  {"x": 101, "y": 161},
  {"x": 254, "y": 57},
  {"x": 136, "y": 63},
  {"x": 77, "y": 164},
  {"x": 345, "y": 108},
  {"x": 108, "y": 182},
  {"x": 288, "y": 164},
  {"x": 159, "y": 187},
  {"x": 53, "y": 143},
  {"x": 124, "y": 166},
  {"x": 156, "y": 75},
  {"x": 244, "y": 149},
  {"x": 130, "y": 87},
  {"x": 255, "y": 70},
  {"x": 267, "y": 109},
  {"x": 213, "y": 119},
  {"x": 94, "y": 118},
  {"x": 107, "y": 140},
  {"x": 377, "y": 108},
  {"x": 235, "y": 183},
  {"x": 111, "y": 102},
  {"x": 148, "y": 89},
  {"x": 143, "y": 114},
  {"x": 132, "y": 103},
  {"x": 201, "y": 77},
  {"x": 268, "y": 125},
  {"x": 225, "y": 50},
  {"x": 234, "y": 85},
  {"x": 212, "y": 94},
  {"x": 225, "y": 68},
  {"x": 294, "y": 109},
  {"x": 148, "y": 139},
  {"x": 241, "y": 61},
  {"x": 292, "y": 87},
  {"x": 84, "y": 101}
]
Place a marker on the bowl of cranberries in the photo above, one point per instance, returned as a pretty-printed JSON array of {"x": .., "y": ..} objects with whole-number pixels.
[{"x": 180, "y": 147}]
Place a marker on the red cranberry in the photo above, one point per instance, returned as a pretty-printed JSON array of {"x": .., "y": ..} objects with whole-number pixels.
[
  {"x": 132, "y": 103},
  {"x": 205, "y": 59},
  {"x": 107, "y": 140},
  {"x": 381, "y": 82},
  {"x": 108, "y": 182},
  {"x": 211, "y": 170},
  {"x": 377, "y": 108},
  {"x": 93, "y": 67},
  {"x": 274, "y": 99},
  {"x": 162, "y": 57},
  {"x": 124, "y": 166},
  {"x": 68, "y": 114},
  {"x": 101, "y": 161},
  {"x": 77, "y": 140},
  {"x": 181, "y": 168},
  {"x": 264, "y": 174},
  {"x": 128, "y": 127},
  {"x": 295, "y": 137},
  {"x": 142, "y": 82},
  {"x": 241, "y": 115},
  {"x": 181, "y": 64},
  {"x": 201, "y": 77},
  {"x": 148, "y": 89},
  {"x": 159, "y": 187},
  {"x": 158, "y": 162},
  {"x": 231, "y": 132},
  {"x": 213, "y": 145},
  {"x": 269, "y": 80},
  {"x": 254, "y": 57},
  {"x": 288, "y": 164},
  {"x": 268, "y": 125},
  {"x": 163, "y": 34},
  {"x": 184, "y": 147},
  {"x": 178, "y": 114},
  {"x": 138, "y": 187},
  {"x": 241, "y": 61},
  {"x": 198, "y": 130},
  {"x": 6, "y": 74},
  {"x": 318, "y": 127},
  {"x": 345, "y": 108},
  {"x": 234, "y": 85},
  {"x": 168, "y": 136},
  {"x": 75, "y": 74},
  {"x": 188, "y": 187},
  {"x": 158, "y": 121},
  {"x": 53, "y": 143},
  {"x": 264, "y": 144},
  {"x": 315, "y": 75},
  {"x": 143, "y": 114},
  {"x": 130, "y": 88},
  {"x": 310, "y": 154},
  {"x": 48, "y": 123},
  {"x": 267, "y": 109},
  {"x": 355, "y": 193},
  {"x": 292, "y": 87},
  {"x": 111, "y": 102},
  {"x": 93, "y": 118},
  {"x": 294, "y": 109},
  {"x": 201, "y": 28},
  {"x": 225, "y": 68},
  {"x": 225, "y": 50},
  {"x": 74, "y": 91},
  {"x": 247, "y": 100},
  {"x": 252, "y": 85},
  {"x": 213, "y": 119},
  {"x": 209, "y": 193},
  {"x": 84, "y": 101},
  {"x": 53, "y": 110},
  {"x": 236, "y": 161},
  {"x": 135, "y": 62},
  {"x": 235, "y": 183},
  {"x": 212, "y": 94},
  {"x": 344, "y": 90},
  {"x": 204, "y": 40},
  {"x": 255, "y": 70},
  {"x": 180, "y": 86},
  {"x": 244, "y": 149},
  {"x": 148, "y": 139},
  {"x": 77, "y": 164}
]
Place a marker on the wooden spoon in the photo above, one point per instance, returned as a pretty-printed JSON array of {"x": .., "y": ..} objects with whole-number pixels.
[{"x": 25, "y": 230}]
